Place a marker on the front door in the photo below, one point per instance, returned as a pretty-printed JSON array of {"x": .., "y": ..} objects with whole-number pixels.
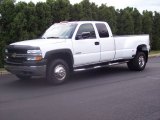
[{"x": 86, "y": 46}]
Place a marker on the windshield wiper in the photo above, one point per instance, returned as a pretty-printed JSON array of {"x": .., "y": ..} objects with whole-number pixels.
[
  {"x": 42, "y": 38},
  {"x": 51, "y": 37}
]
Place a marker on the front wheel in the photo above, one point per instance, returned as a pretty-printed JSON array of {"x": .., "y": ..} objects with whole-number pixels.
[
  {"x": 138, "y": 63},
  {"x": 58, "y": 72}
]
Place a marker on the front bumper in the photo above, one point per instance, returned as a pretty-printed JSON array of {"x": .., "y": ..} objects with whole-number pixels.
[{"x": 27, "y": 68}]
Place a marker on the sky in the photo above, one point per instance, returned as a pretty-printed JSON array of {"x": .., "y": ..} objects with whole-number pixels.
[{"x": 150, "y": 5}]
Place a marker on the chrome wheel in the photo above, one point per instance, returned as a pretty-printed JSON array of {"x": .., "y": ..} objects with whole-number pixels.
[
  {"x": 138, "y": 63},
  {"x": 141, "y": 61},
  {"x": 60, "y": 72}
]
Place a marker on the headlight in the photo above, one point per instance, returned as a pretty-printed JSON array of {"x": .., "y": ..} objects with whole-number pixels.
[
  {"x": 34, "y": 55},
  {"x": 37, "y": 52}
]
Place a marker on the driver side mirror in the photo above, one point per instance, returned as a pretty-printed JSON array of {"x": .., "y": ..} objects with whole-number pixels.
[{"x": 84, "y": 35}]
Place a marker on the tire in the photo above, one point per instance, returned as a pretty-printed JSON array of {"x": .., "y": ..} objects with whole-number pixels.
[
  {"x": 57, "y": 72},
  {"x": 138, "y": 63},
  {"x": 24, "y": 77}
]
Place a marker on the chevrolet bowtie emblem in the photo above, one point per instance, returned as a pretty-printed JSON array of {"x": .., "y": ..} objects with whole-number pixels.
[{"x": 14, "y": 55}]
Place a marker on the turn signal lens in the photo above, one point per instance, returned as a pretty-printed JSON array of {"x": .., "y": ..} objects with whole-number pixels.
[{"x": 38, "y": 58}]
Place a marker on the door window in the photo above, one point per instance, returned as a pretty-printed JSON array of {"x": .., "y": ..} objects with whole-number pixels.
[{"x": 86, "y": 31}]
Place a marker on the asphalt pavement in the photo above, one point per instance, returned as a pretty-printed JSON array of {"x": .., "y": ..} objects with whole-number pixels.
[{"x": 112, "y": 93}]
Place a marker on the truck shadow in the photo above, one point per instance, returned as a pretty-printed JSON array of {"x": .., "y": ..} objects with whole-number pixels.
[
  {"x": 82, "y": 76},
  {"x": 99, "y": 73}
]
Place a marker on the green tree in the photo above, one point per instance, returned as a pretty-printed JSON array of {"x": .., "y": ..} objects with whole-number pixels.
[
  {"x": 60, "y": 10},
  {"x": 76, "y": 12},
  {"x": 137, "y": 18},
  {"x": 43, "y": 17},
  {"x": 86, "y": 10},
  {"x": 108, "y": 14},
  {"x": 31, "y": 20},
  {"x": 94, "y": 9},
  {"x": 20, "y": 21},
  {"x": 6, "y": 17},
  {"x": 19, "y": 24},
  {"x": 156, "y": 31},
  {"x": 147, "y": 22},
  {"x": 125, "y": 23},
  {"x": 7, "y": 10}
]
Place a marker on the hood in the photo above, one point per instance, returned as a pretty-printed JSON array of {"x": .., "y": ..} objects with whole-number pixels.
[{"x": 39, "y": 42}]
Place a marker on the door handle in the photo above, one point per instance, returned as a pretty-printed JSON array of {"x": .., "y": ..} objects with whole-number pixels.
[{"x": 96, "y": 43}]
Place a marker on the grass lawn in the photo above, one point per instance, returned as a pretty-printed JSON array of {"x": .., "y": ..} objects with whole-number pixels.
[
  {"x": 1, "y": 69},
  {"x": 154, "y": 52}
]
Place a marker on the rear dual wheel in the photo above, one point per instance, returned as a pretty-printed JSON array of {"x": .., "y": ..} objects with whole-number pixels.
[{"x": 138, "y": 63}]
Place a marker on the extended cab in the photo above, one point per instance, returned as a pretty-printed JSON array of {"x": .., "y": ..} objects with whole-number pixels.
[{"x": 70, "y": 46}]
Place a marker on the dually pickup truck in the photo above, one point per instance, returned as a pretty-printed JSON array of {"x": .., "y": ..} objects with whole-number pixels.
[{"x": 71, "y": 46}]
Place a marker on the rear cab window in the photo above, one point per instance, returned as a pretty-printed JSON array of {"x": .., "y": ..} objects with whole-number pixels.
[{"x": 102, "y": 30}]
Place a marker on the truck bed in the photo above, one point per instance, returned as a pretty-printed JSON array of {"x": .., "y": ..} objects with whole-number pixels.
[{"x": 126, "y": 45}]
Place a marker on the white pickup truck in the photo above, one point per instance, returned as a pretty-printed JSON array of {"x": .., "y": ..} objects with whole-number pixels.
[{"x": 70, "y": 46}]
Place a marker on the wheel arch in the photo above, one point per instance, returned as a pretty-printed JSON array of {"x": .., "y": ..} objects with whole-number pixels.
[
  {"x": 65, "y": 54},
  {"x": 143, "y": 48}
]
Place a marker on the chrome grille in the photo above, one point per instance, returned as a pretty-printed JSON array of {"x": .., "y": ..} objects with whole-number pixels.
[{"x": 16, "y": 55}]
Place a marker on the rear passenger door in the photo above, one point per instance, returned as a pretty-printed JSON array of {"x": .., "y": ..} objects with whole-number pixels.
[
  {"x": 86, "y": 45},
  {"x": 106, "y": 42}
]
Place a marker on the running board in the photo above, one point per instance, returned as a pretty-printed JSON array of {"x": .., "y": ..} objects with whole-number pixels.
[{"x": 97, "y": 66}]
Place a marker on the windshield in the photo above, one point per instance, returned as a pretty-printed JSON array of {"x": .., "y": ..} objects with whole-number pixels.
[{"x": 60, "y": 31}]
